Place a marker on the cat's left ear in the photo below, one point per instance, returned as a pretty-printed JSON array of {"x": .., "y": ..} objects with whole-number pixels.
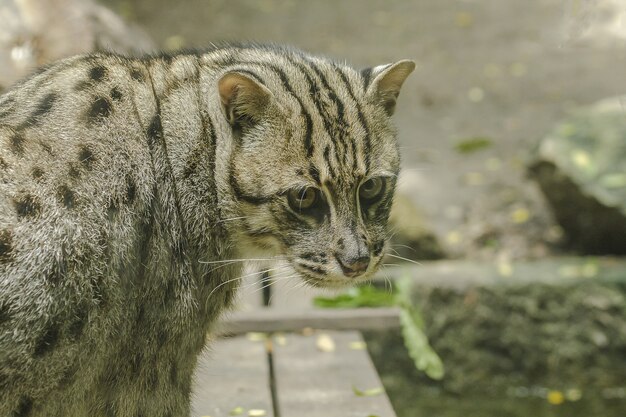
[
  {"x": 386, "y": 82},
  {"x": 244, "y": 99}
]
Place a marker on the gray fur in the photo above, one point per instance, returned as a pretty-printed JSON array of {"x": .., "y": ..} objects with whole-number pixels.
[{"x": 125, "y": 185}]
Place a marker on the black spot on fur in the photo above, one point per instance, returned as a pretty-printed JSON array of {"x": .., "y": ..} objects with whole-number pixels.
[
  {"x": 46, "y": 147},
  {"x": 66, "y": 196},
  {"x": 112, "y": 209},
  {"x": 109, "y": 410},
  {"x": 136, "y": 75},
  {"x": 97, "y": 286},
  {"x": 27, "y": 206},
  {"x": 24, "y": 408},
  {"x": 69, "y": 375},
  {"x": 37, "y": 173},
  {"x": 80, "y": 321},
  {"x": 174, "y": 374},
  {"x": 53, "y": 277},
  {"x": 85, "y": 156},
  {"x": 97, "y": 73},
  {"x": 56, "y": 275},
  {"x": 131, "y": 190},
  {"x": 152, "y": 377},
  {"x": 5, "y": 314},
  {"x": 6, "y": 246},
  {"x": 155, "y": 131},
  {"x": 83, "y": 85},
  {"x": 162, "y": 338},
  {"x": 74, "y": 171},
  {"x": 43, "y": 108},
  {"x": 178, "y": 250},
  {"x": 3, "y": 163},
  {"x": 100, "y": 109},
  {"x": 135, "y": 364},
  {"x": 48, "y": 341},
  {"x": 17, "y": 143},
  {"x": 116, "y": 94}
]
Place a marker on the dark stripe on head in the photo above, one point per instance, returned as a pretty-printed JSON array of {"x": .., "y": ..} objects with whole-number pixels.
[
  {"x": 308, "y": 136},
  {"x": 249, "y": 73},
  {"x": 332, "y": 94},
  {"x": 313, "y": 93},
  {"x": 367, "y": 75},
  {"x": 367, "y": 146},
  {"x": 241, "y": 195},
  {"x": 331, "y": 170},
  {"x": 315, "y": 174}
]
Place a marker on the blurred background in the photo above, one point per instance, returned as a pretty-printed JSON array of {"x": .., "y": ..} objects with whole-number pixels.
[{"x": 513, "y": 194}]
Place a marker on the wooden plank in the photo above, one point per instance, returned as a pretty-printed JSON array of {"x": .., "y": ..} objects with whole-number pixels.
[
  {"x": 271, "y": 320},
  {"x": 232, "y": 373},
  {"x": 292, "y": 295},
  {"x": 314, "y": 383}
]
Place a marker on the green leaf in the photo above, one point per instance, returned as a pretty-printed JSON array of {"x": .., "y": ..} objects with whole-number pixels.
[
  {"x": 415, "y": 340},
  {"x": 364, "y": 296},
  {"x": 472, "y": 145},
  {"x": 237, "y": 411},
  {"x": 368, "y": 392}
]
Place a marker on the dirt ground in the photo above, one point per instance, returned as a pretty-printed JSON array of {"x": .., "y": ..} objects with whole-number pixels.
[{"x": 502, "y": 71}]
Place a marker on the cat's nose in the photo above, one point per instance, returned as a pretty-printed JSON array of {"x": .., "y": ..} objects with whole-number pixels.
[{"x": 353, "y": 267}]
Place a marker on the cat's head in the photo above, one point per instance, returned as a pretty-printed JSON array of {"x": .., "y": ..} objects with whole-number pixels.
[{"x": 314, "y": 163}]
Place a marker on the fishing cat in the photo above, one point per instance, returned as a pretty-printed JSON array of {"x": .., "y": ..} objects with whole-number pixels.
[{"x": 125, "y": 185}]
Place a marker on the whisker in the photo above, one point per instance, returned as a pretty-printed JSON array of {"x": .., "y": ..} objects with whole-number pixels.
[
  {"x": 240, "y": 277},
  {"x": 232, "y": 218},
  {"x": 240, "y": 260},
  {"x": 271, "y": 281},
  {"x": 404, "y": 259},
  {"x": 397, "y": 245}
]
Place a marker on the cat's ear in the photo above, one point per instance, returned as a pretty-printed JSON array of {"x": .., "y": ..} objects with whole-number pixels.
[
  {"x": 244, "y": 99},
  {"x": 385, "y": 81}
]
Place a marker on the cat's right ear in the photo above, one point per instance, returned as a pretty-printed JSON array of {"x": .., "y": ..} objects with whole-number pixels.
[
  {"x": 244, "y": 99},
  {"x": 385, "y": 81}
]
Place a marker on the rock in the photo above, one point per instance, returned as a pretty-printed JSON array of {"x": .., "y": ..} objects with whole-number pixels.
[
  {"x": 37, "y": 32},
  {"x": 581, "y": 169}
]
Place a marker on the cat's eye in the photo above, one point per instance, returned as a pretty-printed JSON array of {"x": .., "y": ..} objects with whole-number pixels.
[
  {"x": 372, "y": 189},
  {"x": 301, "y": 199}
]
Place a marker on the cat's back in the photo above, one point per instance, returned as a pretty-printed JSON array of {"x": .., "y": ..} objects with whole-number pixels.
[{"x": 75, "y": 175}]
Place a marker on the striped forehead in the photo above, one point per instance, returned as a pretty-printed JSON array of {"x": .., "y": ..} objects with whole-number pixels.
[{"x": 328, "y": 100}]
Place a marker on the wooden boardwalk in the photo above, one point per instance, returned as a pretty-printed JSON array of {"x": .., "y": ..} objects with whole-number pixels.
[{"x": 322, "y": 374}]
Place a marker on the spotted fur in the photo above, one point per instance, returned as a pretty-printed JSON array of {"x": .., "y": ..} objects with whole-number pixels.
[{"x": 123, "y": 181}]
